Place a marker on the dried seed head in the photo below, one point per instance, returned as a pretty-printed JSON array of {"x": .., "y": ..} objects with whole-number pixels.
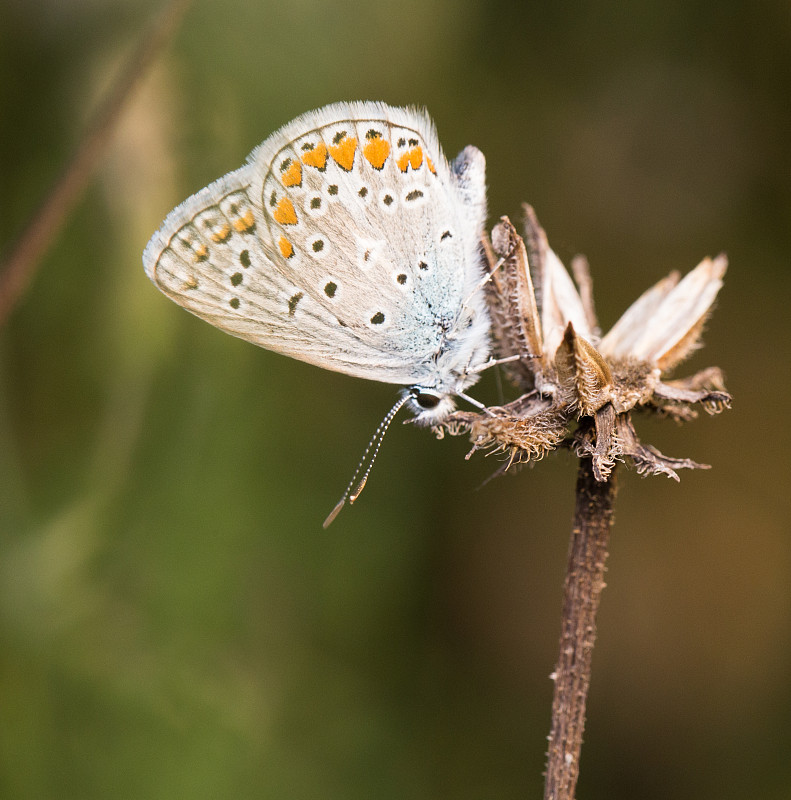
[{"x": 567, "y": 373}]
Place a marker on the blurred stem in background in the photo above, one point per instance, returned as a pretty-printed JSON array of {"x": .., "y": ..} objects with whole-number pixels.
[{"x": 20, "y": 263}]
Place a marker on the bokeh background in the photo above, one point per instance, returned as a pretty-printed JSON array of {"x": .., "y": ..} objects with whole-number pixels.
[{"x": 173, "y": 620}]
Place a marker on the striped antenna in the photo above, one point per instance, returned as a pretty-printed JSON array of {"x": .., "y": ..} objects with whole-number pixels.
[{"x": 355, "y": 487}]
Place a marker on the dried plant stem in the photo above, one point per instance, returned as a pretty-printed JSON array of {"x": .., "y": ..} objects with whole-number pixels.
[
  {"x": 593, "y": 516},
  {"x": 20, "y": 263}
]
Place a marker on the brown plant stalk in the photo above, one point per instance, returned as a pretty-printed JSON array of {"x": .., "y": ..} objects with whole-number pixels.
[{"x": 588, "y": 550}]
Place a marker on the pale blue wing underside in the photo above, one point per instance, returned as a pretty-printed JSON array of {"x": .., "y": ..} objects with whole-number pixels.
[{"x": 346, "y": 241}]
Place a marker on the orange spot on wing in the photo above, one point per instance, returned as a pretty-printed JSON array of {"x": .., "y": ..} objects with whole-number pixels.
[
  {"x": 430, "y": 165},
  {"x": 246, "y": 223},
  {"x": 317, "y": 157},
  {"x": 201, "y": 252},
  {"x": 286, "y": 248},
  {"x": 376, "y": 151},
  {"x": 284, "y": 212},
  {"x": 343, "y": 152},
  {"x": 223, "y": 234},
  {"x": 411, "y": 158},
  {"x": 293, "y": 175}
]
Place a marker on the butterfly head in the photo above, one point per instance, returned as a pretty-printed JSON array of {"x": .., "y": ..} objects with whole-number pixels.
[
  {"x": 429, "y": 406},
  {"x": 432, "y": 405}
]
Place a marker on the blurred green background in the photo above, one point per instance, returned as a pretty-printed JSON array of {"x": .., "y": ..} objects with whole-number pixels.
[{"x": 173, "y": 620}]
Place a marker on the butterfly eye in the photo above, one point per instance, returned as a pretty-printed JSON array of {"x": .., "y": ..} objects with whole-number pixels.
[{"x": 426, "y": 398}]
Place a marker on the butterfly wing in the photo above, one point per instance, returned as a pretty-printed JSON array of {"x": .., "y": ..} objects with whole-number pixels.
[{"x": 346, "y": 241}]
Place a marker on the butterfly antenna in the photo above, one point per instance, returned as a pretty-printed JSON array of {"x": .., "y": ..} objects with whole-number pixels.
[{"x": 355, "y": 487}]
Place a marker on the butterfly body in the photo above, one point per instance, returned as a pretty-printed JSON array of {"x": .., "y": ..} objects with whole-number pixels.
[{"x": 347, "y": 241}]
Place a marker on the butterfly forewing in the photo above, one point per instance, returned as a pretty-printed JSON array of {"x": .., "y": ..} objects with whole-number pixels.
[{"x": 346, "y": 241}]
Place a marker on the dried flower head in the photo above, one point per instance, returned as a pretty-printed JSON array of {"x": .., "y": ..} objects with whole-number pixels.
[{"x": 580, "y": 388}]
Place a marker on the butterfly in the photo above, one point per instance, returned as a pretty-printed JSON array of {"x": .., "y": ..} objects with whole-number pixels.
[{"x": 347, "y": 241}]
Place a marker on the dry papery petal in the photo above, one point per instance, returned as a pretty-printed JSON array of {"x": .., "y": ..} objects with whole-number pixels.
[
  {"x": 557, "y": 297},
  {"x": 663, "y": 326}
]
